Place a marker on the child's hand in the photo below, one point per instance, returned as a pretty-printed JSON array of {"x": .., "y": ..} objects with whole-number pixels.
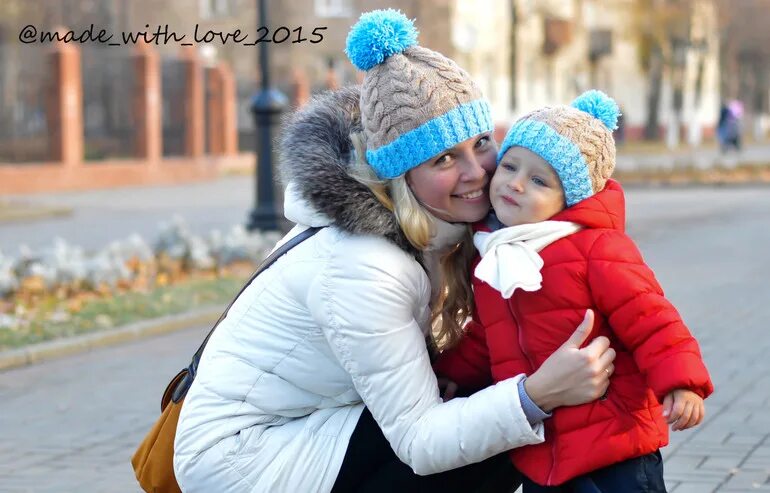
[{"x": 684, "y": 409}]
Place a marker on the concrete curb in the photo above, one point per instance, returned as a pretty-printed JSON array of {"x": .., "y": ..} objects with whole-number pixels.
[{"x": 45, "y": 351}]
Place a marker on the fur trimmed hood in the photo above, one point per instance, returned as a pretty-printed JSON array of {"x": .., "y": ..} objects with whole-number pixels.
[{"x": 315, "y": 152}]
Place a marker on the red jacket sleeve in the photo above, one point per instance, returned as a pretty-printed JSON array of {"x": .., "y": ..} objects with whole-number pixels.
[
  {"x": 467, "y": 363},
  {"x": 626, "y": 292}
]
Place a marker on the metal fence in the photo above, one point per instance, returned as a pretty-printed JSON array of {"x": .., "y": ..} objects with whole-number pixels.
[
  {"x": 108, "y": 78},
  {"x": 110, "y": 99},
  {"x": 174, "y": 85},
  {"x": 24, "y": 81}
]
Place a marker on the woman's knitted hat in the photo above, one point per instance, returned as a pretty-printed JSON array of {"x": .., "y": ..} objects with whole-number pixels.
[
  {"x": 415, "y": 102},
  {"x": 575, "y": 140}
]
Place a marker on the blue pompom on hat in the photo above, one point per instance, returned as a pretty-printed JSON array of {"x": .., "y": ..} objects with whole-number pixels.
[
  {"x": 378, "y": 35},
  {"x": 415, "y": 103},
  {"x": 575, "y": 140},
  {"x": 600, "y": 106}
]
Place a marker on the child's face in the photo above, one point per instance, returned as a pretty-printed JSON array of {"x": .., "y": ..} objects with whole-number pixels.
[{"x": 525, "y": 189}]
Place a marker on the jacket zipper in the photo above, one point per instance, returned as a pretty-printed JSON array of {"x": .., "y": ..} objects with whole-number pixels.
[
  {"x": 549, "y": 481},
  {"x": 532, "y": 368},
  {"x": 518, "y": 335}
]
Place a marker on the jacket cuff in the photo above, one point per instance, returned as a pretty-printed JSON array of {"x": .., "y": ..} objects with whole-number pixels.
[
  {"x": 531, "y": 410},
  {"x": 682, "y": 371}
]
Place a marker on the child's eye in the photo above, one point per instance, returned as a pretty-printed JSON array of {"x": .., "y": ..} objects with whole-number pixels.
[
  {"x": 508, "y": 166},
  {"x": 539, "y": 181}
]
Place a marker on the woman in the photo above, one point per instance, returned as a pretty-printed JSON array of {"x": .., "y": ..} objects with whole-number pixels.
[{"x": 326, "y": 349}]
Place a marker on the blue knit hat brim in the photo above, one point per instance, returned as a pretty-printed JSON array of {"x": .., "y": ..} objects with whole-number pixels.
[{"x": 431, "y": 138}]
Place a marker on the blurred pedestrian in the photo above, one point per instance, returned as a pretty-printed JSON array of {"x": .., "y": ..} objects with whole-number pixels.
[{"x": 729, "y": 126}]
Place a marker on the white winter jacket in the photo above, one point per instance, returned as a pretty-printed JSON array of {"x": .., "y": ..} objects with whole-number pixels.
[{"x": 336, "y": 324}]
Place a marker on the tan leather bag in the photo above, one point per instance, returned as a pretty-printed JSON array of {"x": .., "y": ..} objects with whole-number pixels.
[{"x": 153, "y": 461}]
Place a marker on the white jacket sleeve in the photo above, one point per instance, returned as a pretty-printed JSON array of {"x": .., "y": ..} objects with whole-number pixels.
[{"x": 366, "y": 301}]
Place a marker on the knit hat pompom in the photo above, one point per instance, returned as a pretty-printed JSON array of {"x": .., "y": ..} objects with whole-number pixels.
[
  {"x": 600, "y": 106},
  {"x": 377, "y": 35}
]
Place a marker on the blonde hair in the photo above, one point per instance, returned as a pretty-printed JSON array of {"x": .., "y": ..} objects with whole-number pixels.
[{"x": 453, "y": 304}]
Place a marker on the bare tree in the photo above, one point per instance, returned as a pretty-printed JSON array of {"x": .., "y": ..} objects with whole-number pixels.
[{"x": 662, "y": 31}]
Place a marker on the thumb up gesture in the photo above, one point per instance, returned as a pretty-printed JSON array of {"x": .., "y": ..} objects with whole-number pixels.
[{"x": 573, "y": 375}]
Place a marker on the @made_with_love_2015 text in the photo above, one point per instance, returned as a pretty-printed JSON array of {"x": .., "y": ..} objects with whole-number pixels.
[{"x": 162, "y": 34}]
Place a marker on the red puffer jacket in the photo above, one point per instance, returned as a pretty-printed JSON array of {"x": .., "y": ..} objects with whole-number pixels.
[{"x": 598, "y": 267}]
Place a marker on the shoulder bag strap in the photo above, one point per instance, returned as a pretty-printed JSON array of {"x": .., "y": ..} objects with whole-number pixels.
[{"x": 184, "y": 384}]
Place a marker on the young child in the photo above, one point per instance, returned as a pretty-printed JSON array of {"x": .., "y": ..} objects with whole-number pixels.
[{"x": 555, "y": 247}]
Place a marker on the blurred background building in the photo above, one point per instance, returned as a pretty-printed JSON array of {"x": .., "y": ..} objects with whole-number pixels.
[{"x": 671, "y": 65}]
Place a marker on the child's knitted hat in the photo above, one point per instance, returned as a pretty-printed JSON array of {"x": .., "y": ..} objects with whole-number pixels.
[
  {"x": 415, "y": 102},
  {"x": 575, "y": 140}
]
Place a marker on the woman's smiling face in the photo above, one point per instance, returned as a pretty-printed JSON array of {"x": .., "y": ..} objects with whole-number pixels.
[
  {"x": 525, "y": 189},
  {"x": 454, "y": 185}
]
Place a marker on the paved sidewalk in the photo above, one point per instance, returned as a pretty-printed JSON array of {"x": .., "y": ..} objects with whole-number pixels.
[
  {"x": 101, "y": 216},
  {"x": 71, "y": 425},
  {"x": 708, "y": 248}
]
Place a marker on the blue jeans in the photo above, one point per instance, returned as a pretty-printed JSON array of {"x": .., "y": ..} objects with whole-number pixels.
[{"x": 640, "y": 475}]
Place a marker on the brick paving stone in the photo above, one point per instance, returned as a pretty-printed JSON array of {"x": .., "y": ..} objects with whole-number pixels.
[
  {"x": 763, "y": 449},
  {"x": 750, "y": 439},
  {"x": 683, "y": 463},
  {"x": 749, "y": 480},
  {"x": 753, "y": 489},
  {"x": 756, "y": 464},
  {"x": 694, "y": 486},
  {"x": 699, "y": 475},
  {"x": 721, "y": 463},
  {"x": 672, "y": 485}
]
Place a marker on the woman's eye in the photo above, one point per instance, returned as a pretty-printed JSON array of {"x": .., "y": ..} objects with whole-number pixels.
[
  {"x": 482, "y": 141},
  {"x": 446, "y": 158}
]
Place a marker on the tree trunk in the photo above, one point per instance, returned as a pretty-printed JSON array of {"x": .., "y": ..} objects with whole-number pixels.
[
  {"x": 513, "y": 60},
  {"x": 760, "y": 99},
  {"x": 653, "y": 98},
  {"x": 695, "y": 129}
]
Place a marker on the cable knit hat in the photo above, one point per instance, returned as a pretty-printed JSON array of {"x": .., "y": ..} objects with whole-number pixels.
[
  {"x": 575, "y": 140},
  {"x": 415, "y": 102}
]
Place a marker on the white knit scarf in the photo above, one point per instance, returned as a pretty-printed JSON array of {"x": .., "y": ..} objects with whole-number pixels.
[{"x": 509, "y": 255}]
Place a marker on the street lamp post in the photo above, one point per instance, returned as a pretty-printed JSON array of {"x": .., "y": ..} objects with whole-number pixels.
[{"x": 266, "y": 106}]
